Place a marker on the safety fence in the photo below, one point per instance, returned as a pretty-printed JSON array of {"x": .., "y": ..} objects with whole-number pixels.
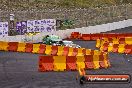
[
  {"x": 125, "y": 40},
  {"x": 47, "y": 49},
  {"x": 119, "y": 45},
  {"x": 61, "y": 58},
  {"x": 77, "y": 35},
  {"x": 72, "y": 63},
  {"x": 108, "y": 42}
]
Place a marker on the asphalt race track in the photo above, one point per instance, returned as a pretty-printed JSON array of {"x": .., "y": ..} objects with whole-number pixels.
[
  {"x": 123, "y": 30},
  {"x": 20, "y": 70}
]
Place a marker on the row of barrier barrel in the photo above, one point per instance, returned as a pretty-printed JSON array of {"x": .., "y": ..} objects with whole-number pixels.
[
  {"x": 47, "y": 49},
  {"x": 122, "y": 45},
  {"x": 77, "y": 35},
  {"x": 71, "y": 63},
  {"x": 126, "y": 40},
  {"x": 118, "y": 48},
  {"x": 61, "y": 58}
]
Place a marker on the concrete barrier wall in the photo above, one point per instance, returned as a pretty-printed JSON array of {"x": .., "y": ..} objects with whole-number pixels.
[{"x": 66, "y": 33}]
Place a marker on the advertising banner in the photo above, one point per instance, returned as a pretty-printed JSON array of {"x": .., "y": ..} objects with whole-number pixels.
[
  {"x": 44, "y": 25},
  {"x": 3, "y": 28},
  {"x": 21, "y": 27}
]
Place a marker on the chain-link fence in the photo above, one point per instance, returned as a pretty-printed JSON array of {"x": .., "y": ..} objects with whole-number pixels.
[{"x": 80, "y": 17}]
